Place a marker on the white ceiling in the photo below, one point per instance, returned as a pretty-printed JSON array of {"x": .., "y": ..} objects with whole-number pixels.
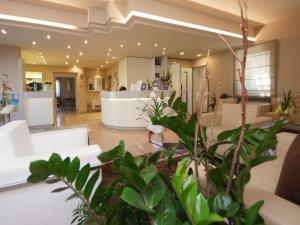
[
  {"x": 95, "y": 52},
  {"x": 262, "y": 11}
]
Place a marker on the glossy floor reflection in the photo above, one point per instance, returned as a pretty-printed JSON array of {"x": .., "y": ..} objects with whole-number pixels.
[{"x": 107, "y": 138}]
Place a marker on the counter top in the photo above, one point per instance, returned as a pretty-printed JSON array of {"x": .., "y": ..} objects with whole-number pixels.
[
  {"x": 131, "y": 94},
  {"x": 38, "y": 94}
]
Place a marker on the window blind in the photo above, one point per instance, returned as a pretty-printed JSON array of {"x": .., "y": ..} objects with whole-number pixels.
[{"x": 260, "y": 77}]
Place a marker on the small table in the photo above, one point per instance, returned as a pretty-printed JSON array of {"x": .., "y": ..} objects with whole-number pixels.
[{"x": 291, "y": 128}]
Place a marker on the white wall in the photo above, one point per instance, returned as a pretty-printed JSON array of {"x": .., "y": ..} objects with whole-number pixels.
[
  {"x": 11, "y": 64},
  {"x": 123, "y": 72},
  {"x": 138, "y": 69}
]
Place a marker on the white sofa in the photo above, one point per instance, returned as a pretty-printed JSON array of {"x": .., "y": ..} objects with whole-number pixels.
[
  {"x": 33, "y": 204},
  {"x": 229, "y": 117},
  {"x": 264, "y": 179}
]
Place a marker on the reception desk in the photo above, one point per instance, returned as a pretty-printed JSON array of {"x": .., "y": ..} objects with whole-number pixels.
[{"x": 120, "y": 110}]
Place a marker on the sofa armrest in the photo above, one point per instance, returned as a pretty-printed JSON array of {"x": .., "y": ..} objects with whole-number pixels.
[
  {"x": 14, "y": 172},
  {"x": 60, "y": 139},
  {"x": 206, "y": 119},
  {"x": 276, "y": 210},
  {"x": 285, "y": 140}
]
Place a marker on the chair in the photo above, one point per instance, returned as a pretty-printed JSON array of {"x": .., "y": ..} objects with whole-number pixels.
[{"x": 34, "y": 203}]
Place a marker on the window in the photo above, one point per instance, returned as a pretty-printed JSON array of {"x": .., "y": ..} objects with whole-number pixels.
[
  {"x": 260, "y": 71},
  {"x": 57, "y": 87}
]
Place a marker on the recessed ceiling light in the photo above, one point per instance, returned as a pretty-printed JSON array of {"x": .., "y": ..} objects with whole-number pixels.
[
  {"x": 33, "y": 63},
  {"x": 174, "y": 62},
  {"x": 67, "y": 56},
  {"x": 121, "y": 45},
  {"x": 45, "y": 62},
  {"x": 139, "y": 43},
  {"x": 42, "y": 56},
  {"x": 107, "y": 54},
  {"x": 199, "y": 55},
  {"x": 75, "y": 66},
  {"x": 3, "y": 31},
  {"x": 163, "y": 53},
  {"x": 86, "y": 41},
  {"x": 155, "y": 45},
  {"x": 80, "y": 53},
  {"x": 164, "y": 48},
  {"x": 40, "y": 53},
  {"x": 33, "y": 42},
  {"x": 106, "y": 62},
  {"x": 69, "y": 46},
  {"x": 77, "y": 60},
  {"x": 181, "y": 53},
  {"x": 102, "y": 66},
  {"x": 109, "y": 50},
  {"x": 113, "y": 57},
  {"x": 67, "y": 63},
  {"x": 48, "y": 36}
]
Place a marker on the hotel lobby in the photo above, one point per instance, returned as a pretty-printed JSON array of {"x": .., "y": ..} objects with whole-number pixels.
[{"x": 158, "y": 112}]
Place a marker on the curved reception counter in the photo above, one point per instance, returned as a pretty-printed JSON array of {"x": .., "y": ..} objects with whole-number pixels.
[{"x": 121, "y": 110}]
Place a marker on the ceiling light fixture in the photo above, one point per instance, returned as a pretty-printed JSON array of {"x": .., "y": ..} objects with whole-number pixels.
[
  {"x": 40, "y": 53},
  {"x": 37, "y": 21},
  {"x": 3, "y": 31},
  {"x": 121, "y": 45},
  {"x": 77, "y": 60},
  {"x": 139, "y": 43},
  {"x": 182, "y": 24},
  {"x": 34, "y": 43},
  {"x": 199, "y": 55},
  {"x": 113, "y": 57},
  {"x": 102, "y": 66},
  {"x": 181, "y": 53},
  {"x": 67, "y": 63},
  {"x": 69, "y": 46},
  {"x": 163, "y": 53},
  {"x": 107, "y": 54},
  {"x": 109, "y": 50},
  {"x": 67, "y": 56},
  {"x": 155, "y": 45},
  {"x": 164, "y": 48},
  {"x": 174, "y": 62},
  {"x": 48, "y": 36},
  {"x": 75, "y": 66},
  {"x": 45, "y": 62},
  {"x": 106, "y": 62},
  {"x": 33, "y": 63},
  {"x": 86, "y": 41},
  {"x": 42, "y": 56},
  {"x": 80, "y": 53}
]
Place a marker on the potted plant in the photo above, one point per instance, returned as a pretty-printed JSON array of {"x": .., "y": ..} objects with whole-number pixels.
[
  {"x": 166, "y": 80},
  {"x": 286, "y": 105}
]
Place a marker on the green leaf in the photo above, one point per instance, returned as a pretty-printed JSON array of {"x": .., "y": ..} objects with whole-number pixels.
[
  {"x": 148, "y": 173},
  {"x": 54, "y": 163},
  {"x": 171, "y": 99},
  {"x": 73, "y": 170},
  {"x": 64, "y": 167},
  {"x": 36, "y": 178},
  {"x": 261, "y": 159},
  {"x": 253, "y": 213},
  {"x": 112, "y": 154},
  {"x": 39, "y": 168},
  {"x": 82, "y": 177},
  {"x": 96, "y": 198},
  {"x": 215, "y": 218},
  {"x": 242, "y": 179},
  {"x": 165, "y": 214},
  {"x": 201, "y": 210},
  {"x": 72, "y": 196},
  {"x": 133, "y": 177},
  {"x": 181, "y": 170},
  {"x": 133, "y": 198},
  {"x": 155, "y": 192},
  {"x": 177, "y": 184},
  {"x": 225, "y": 135},
  {"x": 90, "y": 185},
  {"x": 232, "y": 209},
  {"x": 154, "y": 157},
  {"x": 59, "y": 189},
  {"x": 52, "y": 181}
]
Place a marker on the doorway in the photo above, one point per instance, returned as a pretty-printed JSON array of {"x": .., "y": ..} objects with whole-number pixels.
[
  {"x": 198, "y": 78},
  {"x": 65, "y": 93}
]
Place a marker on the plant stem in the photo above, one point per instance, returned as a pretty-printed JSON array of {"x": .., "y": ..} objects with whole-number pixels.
[
  {"x": 195, "y": 158},
  {"x": 84, "y": 201}
]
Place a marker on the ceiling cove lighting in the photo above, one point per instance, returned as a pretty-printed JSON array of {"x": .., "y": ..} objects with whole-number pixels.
[
  {"x": 182, "y": 24},
  {"x": 48, "y": 36},
  {"x": 37, "y": 21},
  {"x": 3, "y": 31},
  {"x": 33, "y": 42},
  {"x": 181, "y": 53}
]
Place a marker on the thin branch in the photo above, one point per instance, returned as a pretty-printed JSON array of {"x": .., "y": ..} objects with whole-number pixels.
[
  {"x": 195, "y": 158},
  {"x": 230, "y": 48}
]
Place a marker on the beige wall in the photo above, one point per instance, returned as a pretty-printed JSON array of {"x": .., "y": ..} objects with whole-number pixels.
[
  {"x": 185, "y": 63},
  {"x": 93, "y": 73},
  {"x": 82, "y": 95},
  {"x": 11, "y": 65},
  {"x": 221, "y": 69}
]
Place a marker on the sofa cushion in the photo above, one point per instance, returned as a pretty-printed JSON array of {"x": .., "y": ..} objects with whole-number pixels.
[
  {"x": 288, "y": 186},
  {"x": 15, "y": 140}
]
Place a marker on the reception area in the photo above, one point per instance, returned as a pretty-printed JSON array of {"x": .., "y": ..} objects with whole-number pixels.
[{"x": 149, "y": 112}]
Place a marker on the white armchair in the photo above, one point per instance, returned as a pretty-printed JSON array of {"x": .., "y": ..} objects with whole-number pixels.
[
  {"x": 229, "y": 117},
  {"x": 33, "y": 204}
]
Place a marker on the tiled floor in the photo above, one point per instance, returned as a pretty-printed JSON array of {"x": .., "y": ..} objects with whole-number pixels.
[{"x": 107, "y": 138}]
